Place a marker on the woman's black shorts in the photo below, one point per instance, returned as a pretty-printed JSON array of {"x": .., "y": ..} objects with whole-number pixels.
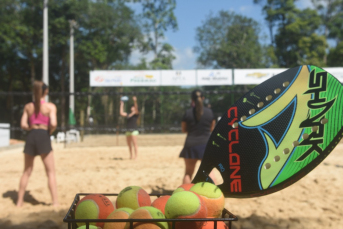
[
  {"x": 193, "y": 152},
  {"x": 37, "y": 142}
]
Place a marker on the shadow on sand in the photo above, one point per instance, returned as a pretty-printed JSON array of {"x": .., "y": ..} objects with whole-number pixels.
[
  {"x": 28, "y": 198},
  {"x": 160, "y": 190},
  {"x": 51, "y": 219}
]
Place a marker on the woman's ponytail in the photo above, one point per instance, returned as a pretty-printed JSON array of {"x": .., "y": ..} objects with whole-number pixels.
[
  {"x": 37, "y": 95},
  {"x": 197, "y": 98}
]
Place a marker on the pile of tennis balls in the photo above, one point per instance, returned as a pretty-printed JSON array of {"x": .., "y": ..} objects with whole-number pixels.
[{"x": 188, "y": 201}]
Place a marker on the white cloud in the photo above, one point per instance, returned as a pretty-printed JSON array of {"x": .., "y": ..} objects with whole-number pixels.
[
  {"x": 136, "y": 57},
  {"x": 246, "y": 9},
  {"x": 185, "y": 59}
]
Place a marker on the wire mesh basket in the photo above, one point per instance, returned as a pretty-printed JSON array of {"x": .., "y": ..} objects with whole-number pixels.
[{"x": 227, "y": 217}]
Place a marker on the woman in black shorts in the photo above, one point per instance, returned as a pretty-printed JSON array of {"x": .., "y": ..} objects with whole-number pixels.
[
  {"x": 39, "y": 117},
  {"x": 131, "y": 126},
  {"x": 198, "y": 122}
]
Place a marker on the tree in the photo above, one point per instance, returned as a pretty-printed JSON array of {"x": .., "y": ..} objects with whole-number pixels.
[
  {"x": 331, "y": 13},
  {"x": 335, "y": 57},
  {"x": 158, "y": 16},
  {"x": 105, "y": 37},
  {"x": 296, "y": 40},
  {"x": 274, "y": 11},
  {"x": 228, "y": 40}
]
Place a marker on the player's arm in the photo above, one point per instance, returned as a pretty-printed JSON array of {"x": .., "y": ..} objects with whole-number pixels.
[
  {"x": 213, "y": 124},
  {"x": 135, "y": 104},
  {"x": 53, "y": 118},
  {"x": 23, "y": 122},
  {"x": 121, "y": 109},
  {"x": 183, "y": 127}
]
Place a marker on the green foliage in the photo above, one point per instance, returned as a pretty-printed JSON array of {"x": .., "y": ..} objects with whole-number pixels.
[
  {"x": 331, "y": 13},
  {"x": 296, "y": 40},
  {"x": 158, "y": 17},
  {"x": 335, "y": 57},
  {"x": 228, "y": 40},
  {"x": 105, "y": 36}
]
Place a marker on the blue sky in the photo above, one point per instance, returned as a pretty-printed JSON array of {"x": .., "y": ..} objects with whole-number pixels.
[{"x": 191, "y": 13}]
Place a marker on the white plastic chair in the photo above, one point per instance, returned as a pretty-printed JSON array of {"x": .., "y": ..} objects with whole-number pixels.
[
  {"x": 73, "y": 135},
  {"x": 60, "y": 137}
]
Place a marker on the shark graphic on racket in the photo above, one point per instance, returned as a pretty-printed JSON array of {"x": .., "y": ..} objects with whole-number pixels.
[{"x": 276, "y": 133}]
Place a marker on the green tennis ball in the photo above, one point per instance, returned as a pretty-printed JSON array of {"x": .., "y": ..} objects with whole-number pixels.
[
  {"x": 212, "y": 196},
  {"x": 121, "y": 213},
  {"x": 93, "y": 206},
  {"x": 133, "y": 197},
  {"x": 147, "y": 212},
  {"x": 90, "y": 227},
  {"x": 186, "y": 205}
]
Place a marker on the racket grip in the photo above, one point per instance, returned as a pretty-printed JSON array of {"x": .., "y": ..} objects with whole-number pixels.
[{"x": 202, "y": 177}]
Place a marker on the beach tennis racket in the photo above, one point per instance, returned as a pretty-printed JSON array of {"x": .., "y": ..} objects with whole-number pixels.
[{"x": 276, "y": 133}]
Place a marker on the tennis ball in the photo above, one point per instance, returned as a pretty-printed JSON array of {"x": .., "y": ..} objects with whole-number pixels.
[
  {"x": 212, "y": 196},
  {"x": 147, "y": 212},
  {"x": 133, "y": 197},
  {"x": 183, "y": 187},
  {"x": 120, "y": 213},
  {"x": 93, "y": 206},
  {"x": 90, "y": 227},
  {"x": 210, "y": 225},
  {"x": 160, "y": 203},
  {"x": 186, "y": 205}
]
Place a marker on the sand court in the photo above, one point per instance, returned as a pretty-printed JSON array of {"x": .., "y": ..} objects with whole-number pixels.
[{"x": 101, "y": 164}]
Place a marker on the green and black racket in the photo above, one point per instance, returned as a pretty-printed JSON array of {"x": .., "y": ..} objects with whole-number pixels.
[{"x": 276, "y": 133}]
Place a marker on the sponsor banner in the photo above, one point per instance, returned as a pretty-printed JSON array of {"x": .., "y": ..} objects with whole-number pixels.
[
  {"x": 124, "y": 78},
  {"x": 214, "y": 77},
  {"x": 336, "y": 72},
  {"x": 105, "y": 78},
  {"x": 141, "y": 78},
  {"x": 114, "y": 78},
  {"x": 255, "y": 76},
  {"x": 178, "y": 77}
]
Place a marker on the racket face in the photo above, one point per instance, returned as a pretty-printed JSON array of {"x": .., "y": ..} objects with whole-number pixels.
[{"x": 276, "y": 133}]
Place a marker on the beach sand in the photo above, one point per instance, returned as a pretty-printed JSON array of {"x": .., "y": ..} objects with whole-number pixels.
[{"x": 100, "y": 164}]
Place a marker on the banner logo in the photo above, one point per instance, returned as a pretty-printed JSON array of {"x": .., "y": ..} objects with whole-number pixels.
[{"x": 99, "y": 79}]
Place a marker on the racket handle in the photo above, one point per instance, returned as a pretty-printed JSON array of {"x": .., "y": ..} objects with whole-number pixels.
[{"x": 202, "y": 177}]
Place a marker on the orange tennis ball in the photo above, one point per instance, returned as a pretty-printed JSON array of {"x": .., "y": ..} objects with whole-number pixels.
[
  {"x": 186, "y": 205},
  {"x": 120, "y": 213},
  {"x": 212, "y": 196},
  {"x": 147, "y": 212},
  {"x": 210, "y": 225},
  {"x": 183, "y": 187},
  {"x": 133, "y": 197},
  {"x": 160, "y": 203},
  {"x": 93, "y": 206}
]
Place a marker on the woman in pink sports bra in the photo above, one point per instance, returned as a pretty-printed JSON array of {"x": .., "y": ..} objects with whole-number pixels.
[{"x": 39, "y": 117}]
